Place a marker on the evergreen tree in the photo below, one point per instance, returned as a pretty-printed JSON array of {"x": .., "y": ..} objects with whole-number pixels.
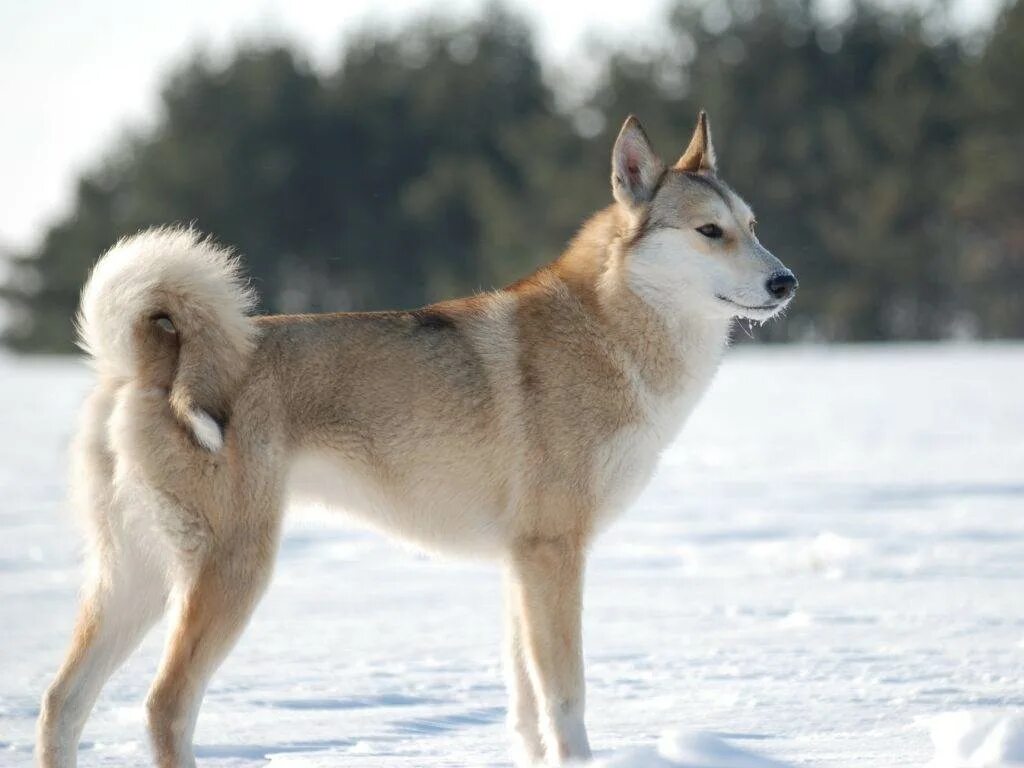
[
  {"x": 885, "y": 161},
  {"x": 988, "y": 197}
]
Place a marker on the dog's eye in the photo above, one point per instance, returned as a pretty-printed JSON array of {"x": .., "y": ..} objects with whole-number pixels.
[
  {"x": 710, "y": 230},
  {"x": 753, "y": 226}
]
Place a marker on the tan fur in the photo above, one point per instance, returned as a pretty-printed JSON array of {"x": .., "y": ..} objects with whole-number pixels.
[
  {"x": 513, "y": 424},
  {"x": 699, "y": 156}
]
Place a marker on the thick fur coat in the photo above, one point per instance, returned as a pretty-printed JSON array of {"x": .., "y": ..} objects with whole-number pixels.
[{"x": 513, "y": 424}]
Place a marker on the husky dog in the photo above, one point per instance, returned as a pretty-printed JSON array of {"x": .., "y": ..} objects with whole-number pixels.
[{"x": 514, "y": 424}]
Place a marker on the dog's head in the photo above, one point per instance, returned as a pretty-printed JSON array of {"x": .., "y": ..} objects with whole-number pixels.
[{"x": 693, "y": 247}]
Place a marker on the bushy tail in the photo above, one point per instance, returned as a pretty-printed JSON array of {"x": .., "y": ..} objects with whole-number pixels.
[{"x": 171, "y": 309}]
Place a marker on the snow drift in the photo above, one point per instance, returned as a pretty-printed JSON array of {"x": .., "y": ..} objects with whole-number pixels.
[
  {"x": 688, "y": 749},
  {"x": 977, "y": 740}
]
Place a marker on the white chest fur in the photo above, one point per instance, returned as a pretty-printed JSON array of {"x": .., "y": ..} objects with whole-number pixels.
[{"x": 625, "y": 463}]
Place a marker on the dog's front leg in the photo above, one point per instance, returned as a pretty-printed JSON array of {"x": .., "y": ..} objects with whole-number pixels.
[
  {"x": 523, "y": 718},
  {"x": 546, "y": 580}
]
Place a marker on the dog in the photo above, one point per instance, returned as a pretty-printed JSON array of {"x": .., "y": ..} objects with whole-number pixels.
[{"x": 514, "y": 424}]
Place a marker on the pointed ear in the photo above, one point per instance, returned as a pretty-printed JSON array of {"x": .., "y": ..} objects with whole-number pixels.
[
  {"x": 635, "y": 167},
  {"x": 699, "y": 156}
]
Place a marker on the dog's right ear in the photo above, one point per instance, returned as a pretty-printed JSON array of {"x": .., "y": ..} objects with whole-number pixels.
[{"x": 636, "y": 169}]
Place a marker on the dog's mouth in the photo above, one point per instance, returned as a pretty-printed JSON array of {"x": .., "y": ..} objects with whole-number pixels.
[{"x": 759, "y": 309}]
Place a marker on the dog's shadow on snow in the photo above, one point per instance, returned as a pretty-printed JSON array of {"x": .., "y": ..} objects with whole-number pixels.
[
  {"x": 409, "y": 726},
  {"x": 265, "y": 751},
  {"x": 353, "y": 702}
]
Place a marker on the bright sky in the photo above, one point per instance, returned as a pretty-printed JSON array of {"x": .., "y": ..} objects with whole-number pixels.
[{"x": 76, "y": 73}]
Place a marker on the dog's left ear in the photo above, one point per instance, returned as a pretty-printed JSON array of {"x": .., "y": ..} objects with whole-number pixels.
[{"x": 699, "y": 156}]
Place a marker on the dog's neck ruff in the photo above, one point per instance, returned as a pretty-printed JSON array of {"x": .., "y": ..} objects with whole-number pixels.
[{"x": 674, "y": 345}]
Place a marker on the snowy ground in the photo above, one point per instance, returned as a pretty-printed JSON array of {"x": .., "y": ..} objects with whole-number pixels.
[{"x": 830, "y": 558}]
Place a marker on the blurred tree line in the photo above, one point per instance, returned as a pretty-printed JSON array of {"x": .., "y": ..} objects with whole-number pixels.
[{"x": 883, "y": 153}]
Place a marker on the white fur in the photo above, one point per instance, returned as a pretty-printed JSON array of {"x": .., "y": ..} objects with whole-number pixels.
[
  {"x": 126, "y": 285},
  {"x": 625, "y": 463},
  {"x": 206, "y": 430},
  {"x": 125, "y": 581},
  {"x": 677, "y": 273},
  {"x": 429, "y": 505}
]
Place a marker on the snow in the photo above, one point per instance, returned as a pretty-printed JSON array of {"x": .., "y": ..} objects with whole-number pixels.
[
  {"x": 827, "y": 570},
  {"x": 977, "y": 740},
  {"x": 687, "y": 749}
]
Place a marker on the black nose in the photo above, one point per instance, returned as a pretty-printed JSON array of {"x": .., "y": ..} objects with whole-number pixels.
[{"x": 782, "y": 285}]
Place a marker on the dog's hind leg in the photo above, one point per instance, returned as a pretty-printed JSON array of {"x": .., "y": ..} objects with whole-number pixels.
[
  {"x": 523, "y": 717},
  {"x": 124, "y": 596},
  {"x": 548, "y": 593},
  {"x": 211, "y": 610},
  {"x": 125, "y": 593}
]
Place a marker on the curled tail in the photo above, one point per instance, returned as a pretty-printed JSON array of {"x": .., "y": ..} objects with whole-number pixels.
[{"x": 169, "y": 309}]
